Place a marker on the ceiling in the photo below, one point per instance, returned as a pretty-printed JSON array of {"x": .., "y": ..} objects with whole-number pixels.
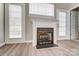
[
  {"x": 66, "y": 6},
  {"x": 76, "y": 9}
]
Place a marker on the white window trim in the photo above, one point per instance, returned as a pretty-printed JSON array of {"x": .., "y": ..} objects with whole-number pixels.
[
  {"x": 10, "y": 36},
  {"x": 57, "y": 11},
  {"x": 7, "y": 39}
]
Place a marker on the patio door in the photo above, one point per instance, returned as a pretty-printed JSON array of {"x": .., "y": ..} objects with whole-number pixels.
[
  {"x": 74, "y": 25},
  {"x": 14, "y": 23},
  {"x": 62, "y": 24}
]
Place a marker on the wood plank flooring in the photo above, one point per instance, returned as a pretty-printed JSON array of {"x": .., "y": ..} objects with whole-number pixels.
[{"x": 65, "y": 48}]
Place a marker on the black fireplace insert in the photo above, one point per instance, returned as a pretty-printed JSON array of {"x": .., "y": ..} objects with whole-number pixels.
[{"x": 45, "y": 37}]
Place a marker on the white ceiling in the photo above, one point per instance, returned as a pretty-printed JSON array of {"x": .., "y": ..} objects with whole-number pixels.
[{"x": 66, "y": 6}]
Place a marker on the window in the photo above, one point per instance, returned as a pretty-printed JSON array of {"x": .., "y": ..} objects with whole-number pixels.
[
  {"x": 41, "y": 9},
  {"x": 15, "y": 26},
  {"x": 62, "y": 23}
]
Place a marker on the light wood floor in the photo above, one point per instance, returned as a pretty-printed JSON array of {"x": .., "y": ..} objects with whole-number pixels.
[{"x": 65, "y": 48}]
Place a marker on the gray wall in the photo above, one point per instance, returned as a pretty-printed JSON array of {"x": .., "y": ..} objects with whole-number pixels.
[
  {"x": 28, "y": 24},
  {"x": 2, "y": 23},
  {"x": 65, "y": 6}
]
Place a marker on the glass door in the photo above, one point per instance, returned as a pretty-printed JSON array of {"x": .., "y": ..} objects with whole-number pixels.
[
  {"x": 74, "y": 25},
  {"x": 14, "y": 22},
  {"x": 62, "y": 24}
]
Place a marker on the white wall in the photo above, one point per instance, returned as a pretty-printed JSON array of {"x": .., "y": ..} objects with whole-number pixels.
[{"x": 2, "y": 23}]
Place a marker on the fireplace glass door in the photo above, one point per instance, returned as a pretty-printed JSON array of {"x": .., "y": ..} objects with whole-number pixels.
[{"x": 44, "y": 37}]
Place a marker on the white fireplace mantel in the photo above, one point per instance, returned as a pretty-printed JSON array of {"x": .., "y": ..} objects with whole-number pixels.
[{"x": 43, "y": 24}]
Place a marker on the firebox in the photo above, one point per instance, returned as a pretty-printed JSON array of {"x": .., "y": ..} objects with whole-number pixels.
[{"x": 45, "y": 37}]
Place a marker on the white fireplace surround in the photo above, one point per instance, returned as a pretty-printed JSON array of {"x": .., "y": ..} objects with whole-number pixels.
[{"x": 43, "y": 23}]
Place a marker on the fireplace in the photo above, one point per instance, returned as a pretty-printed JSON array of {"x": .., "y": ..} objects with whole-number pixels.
[{"x": 45, "y": 37}]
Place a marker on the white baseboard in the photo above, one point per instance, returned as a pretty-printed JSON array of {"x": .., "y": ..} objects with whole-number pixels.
[
  {"x": 28, "y": 41},
  {"x": 13, "y": 42},
  {"x": 2, "y": 44}
]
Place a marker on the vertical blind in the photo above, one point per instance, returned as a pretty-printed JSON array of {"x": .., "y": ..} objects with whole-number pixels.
[
  {"x": 41, "y": 9},
  {"x": 15, "y": 25},
  {"x": 62, "y": 23}
]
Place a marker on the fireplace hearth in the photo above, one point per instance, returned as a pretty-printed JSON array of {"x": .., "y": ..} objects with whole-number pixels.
[{"x": 45, "y": 37}]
